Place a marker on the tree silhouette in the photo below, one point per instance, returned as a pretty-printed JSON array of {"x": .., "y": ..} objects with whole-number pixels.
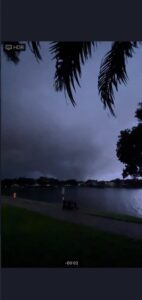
[
  {"x": 129, "y": 148},
  {"x": 70, "y": 56},
  {"x": 138, "y": 113}
]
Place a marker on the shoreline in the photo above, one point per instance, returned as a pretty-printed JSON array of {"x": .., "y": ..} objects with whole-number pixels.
[{"x": 128, "y": 229}]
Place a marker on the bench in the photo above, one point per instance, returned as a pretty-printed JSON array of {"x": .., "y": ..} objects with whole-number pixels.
[{"x": 70, "y": 205}]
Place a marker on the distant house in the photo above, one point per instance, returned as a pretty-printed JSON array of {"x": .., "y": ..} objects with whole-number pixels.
[
  {"x": 80, "y": 183},
  {"x": 123, "y": 183},
  {"x": 111, "y": 183},
  {"x": 91, "y": 183},
  {"x": 36, "y": 185},
  {"x": 106, "y": 183}
]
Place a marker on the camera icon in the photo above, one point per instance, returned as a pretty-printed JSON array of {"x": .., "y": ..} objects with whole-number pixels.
[{"x": 8, "y": 47}]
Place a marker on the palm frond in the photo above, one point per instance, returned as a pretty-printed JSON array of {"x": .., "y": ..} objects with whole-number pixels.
[
  {"x": 113, "y": 71},
  {"x": 11, "y": 55},
  {"x": 14, "y": 55},
  {"x": 69, "y": 57},
  {"x": 34, "y": 47}
]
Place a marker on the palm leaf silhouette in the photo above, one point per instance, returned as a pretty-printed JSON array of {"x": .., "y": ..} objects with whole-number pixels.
[
  {"x": 69, "y": 57},
  {"x": 34, "y": 47},
  {"x": 13, "y": 55},
  {"x": 113, "y": 71}
]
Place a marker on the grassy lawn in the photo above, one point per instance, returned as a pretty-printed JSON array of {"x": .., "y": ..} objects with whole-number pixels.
[
  {"x": 33, "y": 240},
  {"x": 115, "y": 216}
]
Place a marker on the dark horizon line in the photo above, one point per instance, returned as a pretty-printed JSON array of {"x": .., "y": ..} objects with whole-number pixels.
[{"x": 69, "y": 179}]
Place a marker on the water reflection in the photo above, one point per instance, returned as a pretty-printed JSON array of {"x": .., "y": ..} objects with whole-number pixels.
[
  {"x": 137, "y": 202},
  {"x": 118, "y": 200}
]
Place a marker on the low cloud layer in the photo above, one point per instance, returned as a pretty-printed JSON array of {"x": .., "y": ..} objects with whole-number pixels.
[{"x": 51, "y": 150}]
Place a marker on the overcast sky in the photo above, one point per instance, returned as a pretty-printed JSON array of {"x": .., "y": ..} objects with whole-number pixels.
[{"x": 44, "y": 135}]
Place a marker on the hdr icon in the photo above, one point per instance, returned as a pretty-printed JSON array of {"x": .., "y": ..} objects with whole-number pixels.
[{"x": 15, "y": 47}]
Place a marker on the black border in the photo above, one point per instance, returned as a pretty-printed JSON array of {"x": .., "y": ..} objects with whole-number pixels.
[
  {"x": 71, "y": 284},
  {"x": 63, "y": 20},
  {"x": 71, "y": 20}
]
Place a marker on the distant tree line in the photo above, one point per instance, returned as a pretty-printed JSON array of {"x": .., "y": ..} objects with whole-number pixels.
[
  {"x": 53, "y": 182},
  {"x": 41, "y": 181}
]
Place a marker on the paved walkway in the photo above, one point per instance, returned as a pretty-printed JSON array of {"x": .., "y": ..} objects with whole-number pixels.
[{"x": 127, "y": 229}]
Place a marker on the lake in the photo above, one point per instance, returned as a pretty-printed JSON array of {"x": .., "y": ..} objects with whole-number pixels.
[{"x": 118, "y": 200}]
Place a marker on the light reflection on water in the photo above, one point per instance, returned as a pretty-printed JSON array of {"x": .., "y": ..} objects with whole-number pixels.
[
  {"x": 118, "y": 200},
  {"x": 137, "y": 199}
]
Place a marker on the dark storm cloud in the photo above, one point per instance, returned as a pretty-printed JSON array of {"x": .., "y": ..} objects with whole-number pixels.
[
  {"x": 42, "y": 134},
  {"x": 51, "y": 150}
]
